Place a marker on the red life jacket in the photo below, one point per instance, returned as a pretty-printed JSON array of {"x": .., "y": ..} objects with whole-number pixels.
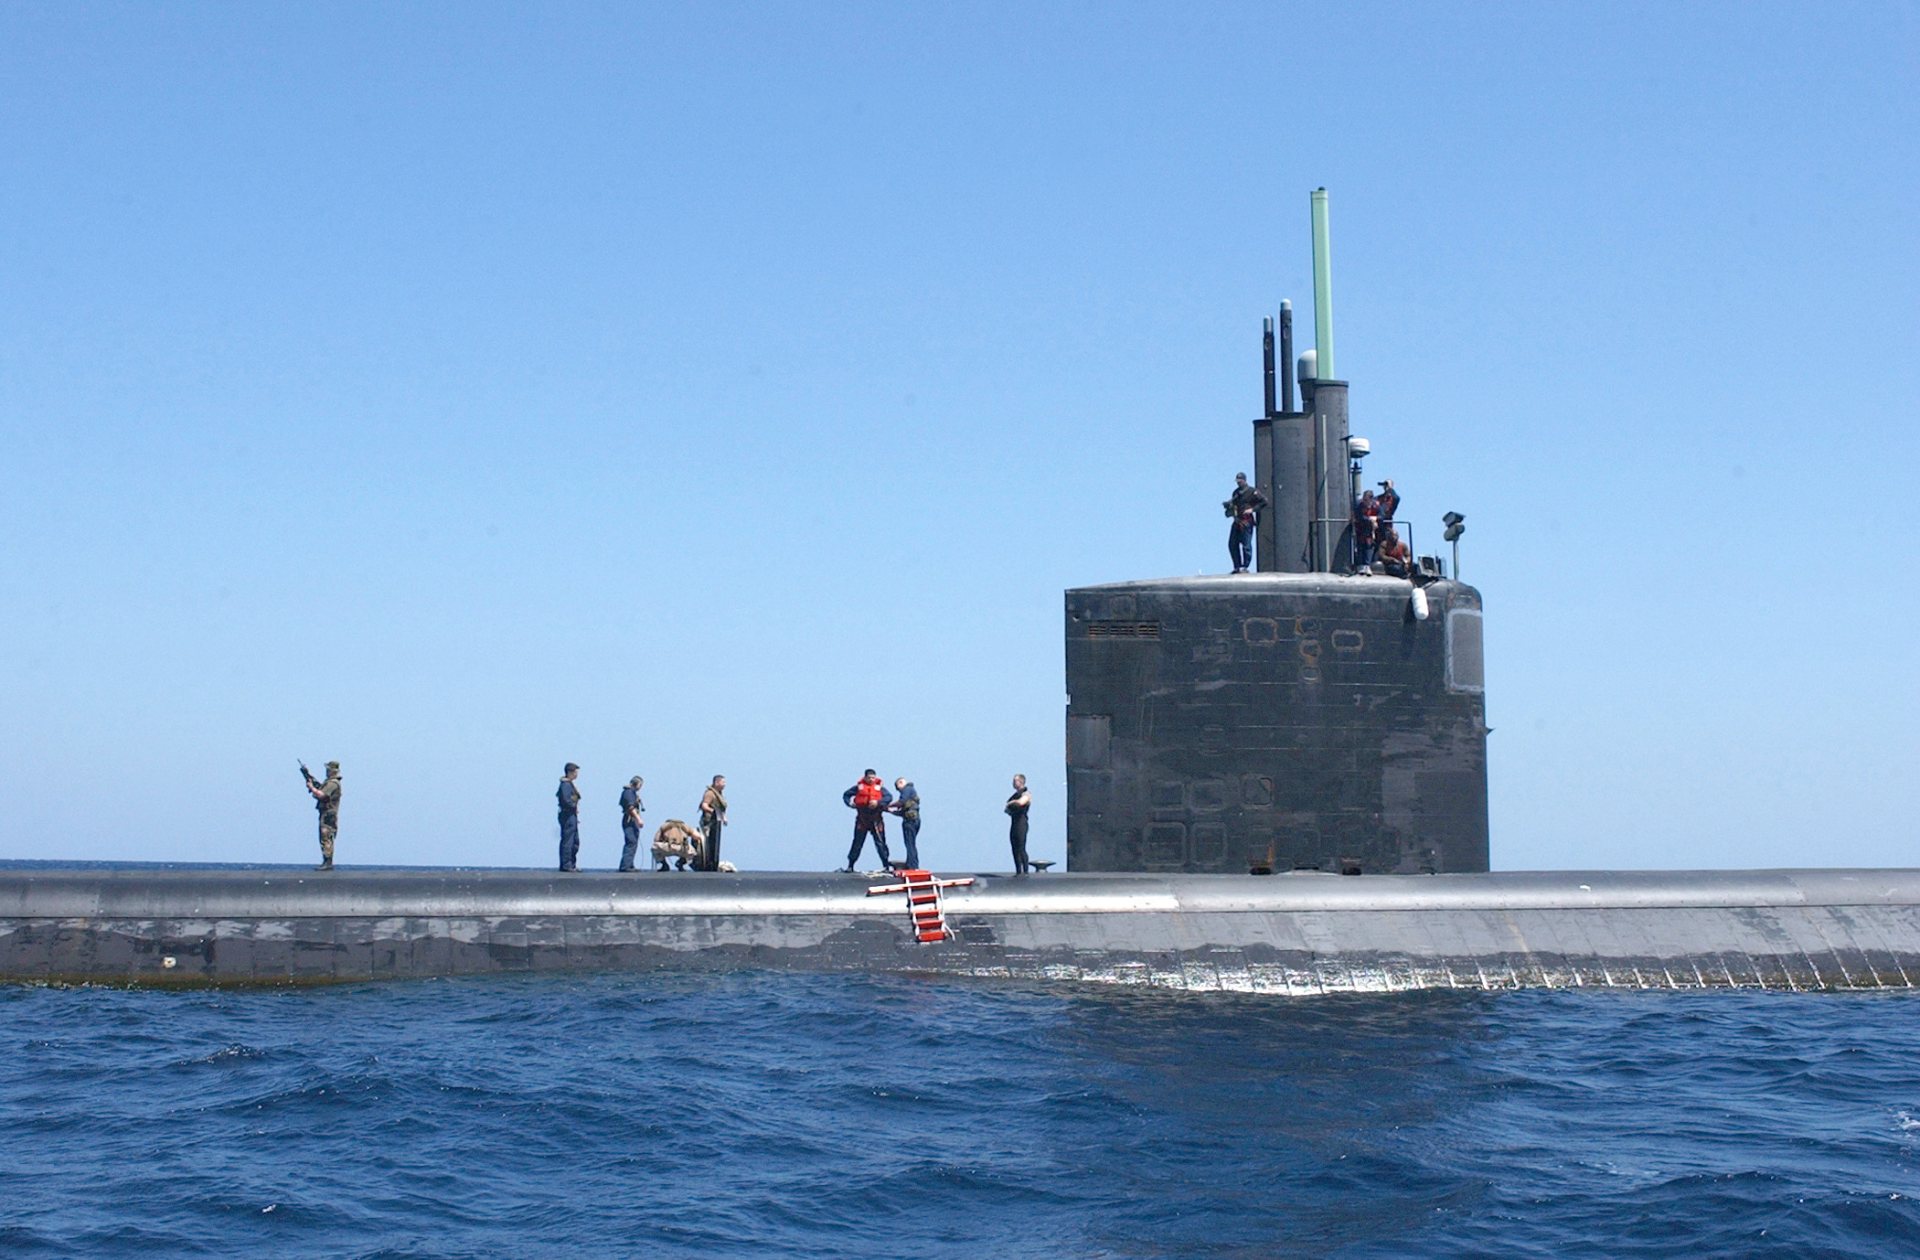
[{"x": 866, "y": 795}]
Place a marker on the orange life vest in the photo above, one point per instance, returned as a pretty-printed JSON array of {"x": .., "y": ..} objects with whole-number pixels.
[{"x": 866, "y": 795}]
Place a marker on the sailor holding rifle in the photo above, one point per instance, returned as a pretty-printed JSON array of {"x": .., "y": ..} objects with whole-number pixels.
[{"x": 326, "y": 802}]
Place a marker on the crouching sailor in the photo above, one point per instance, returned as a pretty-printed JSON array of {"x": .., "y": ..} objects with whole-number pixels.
[{"x": 678, "y": 841}]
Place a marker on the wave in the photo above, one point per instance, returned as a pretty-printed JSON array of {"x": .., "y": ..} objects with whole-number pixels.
[{"x": 775, "y": 1114}]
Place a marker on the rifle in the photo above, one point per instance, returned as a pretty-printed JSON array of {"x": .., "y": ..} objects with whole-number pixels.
[{"x": 305, "y": 773}]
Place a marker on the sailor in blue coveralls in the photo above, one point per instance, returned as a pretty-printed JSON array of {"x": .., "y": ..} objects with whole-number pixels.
[
  {"x": 569, "y": 798},
  {"x": 906, "y": 803},
  {"x": 630, "y": 821}
]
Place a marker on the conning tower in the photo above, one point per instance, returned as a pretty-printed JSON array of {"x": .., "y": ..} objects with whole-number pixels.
[{"x": 1299, "y": 716}]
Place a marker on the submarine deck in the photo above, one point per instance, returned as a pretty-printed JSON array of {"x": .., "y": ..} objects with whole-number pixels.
[{"x": 1302, "y": 932}]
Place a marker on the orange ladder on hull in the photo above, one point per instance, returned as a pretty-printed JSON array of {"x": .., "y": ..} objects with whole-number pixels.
[{"x": 924, "y": 904}]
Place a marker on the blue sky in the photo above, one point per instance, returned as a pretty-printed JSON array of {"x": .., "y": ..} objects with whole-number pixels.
[{"x": 457, "y": 390}]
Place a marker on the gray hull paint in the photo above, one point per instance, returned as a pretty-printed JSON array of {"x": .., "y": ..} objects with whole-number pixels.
[
  {"x": 1212, "y": 720},
  {"x": 1287, "y": 934}
]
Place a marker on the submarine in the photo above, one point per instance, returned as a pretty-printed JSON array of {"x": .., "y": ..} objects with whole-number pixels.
[{"x": 1276, "y": 783}]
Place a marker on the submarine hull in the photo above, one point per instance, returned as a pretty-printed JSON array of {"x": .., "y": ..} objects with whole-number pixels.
[{"x": 1288, "y": 934}]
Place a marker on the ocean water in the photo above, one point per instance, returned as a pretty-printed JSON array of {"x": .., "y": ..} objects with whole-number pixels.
[{"x": 781, "y": 1115}]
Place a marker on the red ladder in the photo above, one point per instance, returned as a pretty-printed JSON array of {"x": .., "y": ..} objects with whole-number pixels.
[{"x": 924, "y": 906}]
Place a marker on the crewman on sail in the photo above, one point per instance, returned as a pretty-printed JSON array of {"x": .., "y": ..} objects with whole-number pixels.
[
  {"x": 1366, "y": 527},
  {"x": 1394, "y": 560},
  {"x": 1243, "y": 507},
  {"x": 1389, "y": 501}
]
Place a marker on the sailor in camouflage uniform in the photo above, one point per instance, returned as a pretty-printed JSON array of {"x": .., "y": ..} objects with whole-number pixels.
[{"x": 326, "y": 801}]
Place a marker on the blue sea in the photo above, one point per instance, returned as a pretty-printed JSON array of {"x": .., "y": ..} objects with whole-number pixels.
[{"x": 771, "y": 1114}]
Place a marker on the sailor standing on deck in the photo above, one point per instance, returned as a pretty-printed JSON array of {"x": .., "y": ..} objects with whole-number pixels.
[
  {"x": 907, "y": 805},
  {"x": 868, "y": 799},
  {"x": 569, "y": 798},
  {"x": 630, "y": 821},
  {"x": 1017, "y": 806},
  {"x": 326, "y": 802},
  {"x": 713, "y": 819}
]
